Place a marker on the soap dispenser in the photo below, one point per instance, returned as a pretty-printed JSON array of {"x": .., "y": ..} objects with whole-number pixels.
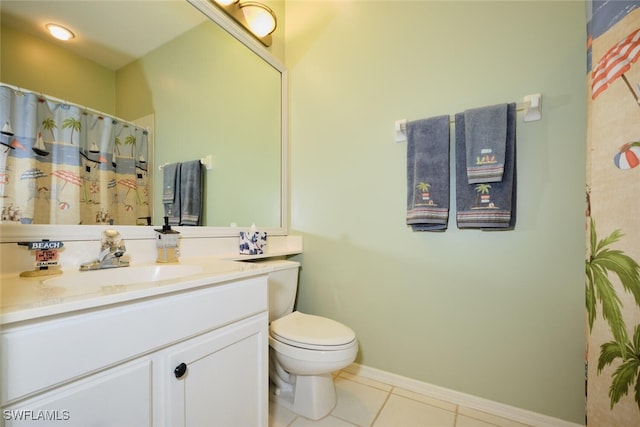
[{"x": 167, "y": 243}]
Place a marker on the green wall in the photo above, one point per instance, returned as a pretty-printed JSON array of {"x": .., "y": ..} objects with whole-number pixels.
[
  {"x": 38, "y": 65},
  {"x": 212, "y": 96},
  {"x": 209, "y": 96},
  {"x": 499, "y": 315}
]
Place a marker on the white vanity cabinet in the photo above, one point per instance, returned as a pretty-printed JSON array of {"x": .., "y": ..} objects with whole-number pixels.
[
  {"x": 118, "y": 396},
  {"x": 193, "y": 357},
  {"x": 215, "y": 375}
]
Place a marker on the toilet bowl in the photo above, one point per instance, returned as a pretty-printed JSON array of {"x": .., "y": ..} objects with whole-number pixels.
[
  {"x": 304, "y": 352},
  {"x": 304, "y": 349}
]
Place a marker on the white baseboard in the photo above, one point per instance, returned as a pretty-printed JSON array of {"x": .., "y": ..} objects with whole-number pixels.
[{"x": 469, "y": 401}]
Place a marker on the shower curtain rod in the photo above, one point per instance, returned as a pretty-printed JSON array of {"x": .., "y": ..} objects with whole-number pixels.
[{"x": 62, "y": 101}]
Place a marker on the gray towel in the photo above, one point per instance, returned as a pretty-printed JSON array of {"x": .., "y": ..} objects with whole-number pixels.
[
  {"x": 428, "y": 174},
  {"x": 486, "y": 205},
  {"x": 191, "y": 193},
  {"x": 486, "y": 135},
  {"x": 170, "y": 192}
]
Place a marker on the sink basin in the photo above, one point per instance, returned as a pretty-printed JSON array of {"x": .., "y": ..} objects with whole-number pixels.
[{"x": 124, "y": 275}]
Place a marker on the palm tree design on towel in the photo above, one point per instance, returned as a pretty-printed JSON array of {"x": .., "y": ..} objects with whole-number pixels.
[
  {"x": 423, "y": 197},
  {"x": 483, "y": 197}
]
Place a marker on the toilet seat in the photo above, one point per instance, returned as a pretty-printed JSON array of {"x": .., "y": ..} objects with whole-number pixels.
[{"x": 312, "y": 332}]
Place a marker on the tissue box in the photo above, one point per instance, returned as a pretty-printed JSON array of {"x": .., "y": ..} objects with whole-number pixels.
[{"x": 252, "y": 242}]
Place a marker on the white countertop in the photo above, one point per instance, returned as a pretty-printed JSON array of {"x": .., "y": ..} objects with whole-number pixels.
[{"x": 23, "y": 299}]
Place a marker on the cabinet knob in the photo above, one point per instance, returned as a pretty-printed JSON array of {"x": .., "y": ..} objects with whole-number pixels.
[{"x": 180, "y": 370}]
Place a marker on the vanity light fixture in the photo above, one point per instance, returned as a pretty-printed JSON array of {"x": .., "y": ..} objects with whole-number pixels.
[
  {"x": 255, "y": 17},
  {"x": 60, "y": 32}
]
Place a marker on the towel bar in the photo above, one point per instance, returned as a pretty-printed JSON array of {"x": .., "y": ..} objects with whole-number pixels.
[
  {"x": 207, "y": 161},
  {"x": 531, "y": 106}
]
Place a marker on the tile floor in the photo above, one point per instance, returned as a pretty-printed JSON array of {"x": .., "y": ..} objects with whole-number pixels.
[{"x": 363, "y": 402}]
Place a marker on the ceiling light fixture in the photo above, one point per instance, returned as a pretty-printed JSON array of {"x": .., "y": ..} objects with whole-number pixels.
[
  {"x": 257, "y": 18},
  {"x": 60, "y": 32}
]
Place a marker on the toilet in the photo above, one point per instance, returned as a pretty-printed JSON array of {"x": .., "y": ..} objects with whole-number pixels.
[{"x": 304, "y": 349}]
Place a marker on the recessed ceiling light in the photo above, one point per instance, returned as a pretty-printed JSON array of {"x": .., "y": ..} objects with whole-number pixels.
[{"x": 60, "y": 32}]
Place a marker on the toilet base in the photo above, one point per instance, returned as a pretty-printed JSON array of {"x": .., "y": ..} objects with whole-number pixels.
[{"x": 312, "y": 396}]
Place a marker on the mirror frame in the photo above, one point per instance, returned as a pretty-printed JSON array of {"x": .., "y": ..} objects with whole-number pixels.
[{"x": 11, "y": 233}]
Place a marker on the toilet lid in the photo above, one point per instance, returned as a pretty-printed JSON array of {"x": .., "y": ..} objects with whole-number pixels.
[{"x": 309, "y": 331}]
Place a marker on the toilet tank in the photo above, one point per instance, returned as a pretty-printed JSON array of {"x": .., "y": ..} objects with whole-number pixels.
[{"x": 283, "y": 286}]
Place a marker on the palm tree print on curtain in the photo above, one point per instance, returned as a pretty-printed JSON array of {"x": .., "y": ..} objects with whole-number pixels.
[
  {"x": 63, "y": 166},
  {"x": 628, "y": 373},
  {"x": 72, "y": 124},
  {"x": 613, "y": 231},
  {"x": 601, "y": 263}
]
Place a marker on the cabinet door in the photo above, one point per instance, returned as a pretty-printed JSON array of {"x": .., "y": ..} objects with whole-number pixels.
[
  {"x": 221, "y": 378},
  {"x": 119, "y": 396}
]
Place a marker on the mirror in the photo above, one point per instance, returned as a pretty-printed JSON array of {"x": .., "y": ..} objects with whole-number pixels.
[{"x": 230, "y": 113}]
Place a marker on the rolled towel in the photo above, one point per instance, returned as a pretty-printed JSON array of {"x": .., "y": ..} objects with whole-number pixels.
[
  {"x": 428, "y": 174},
  {"x": 486, "y": 135},
  {"x": 486, "y": 205}
]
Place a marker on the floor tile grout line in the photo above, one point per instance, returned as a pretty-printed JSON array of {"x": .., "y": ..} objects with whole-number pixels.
[
  {"x": 426, "y": 403},
  {"x": 493, "y": 416},
  {"x": 455, "y": 415},
  {"x": 354, "y": 378},
  {"x": 389, "y": 392},
  {"x": 293, "y": 421},
  {"x": 346, "y": 421},
  {"x": 393, "y": 390}
]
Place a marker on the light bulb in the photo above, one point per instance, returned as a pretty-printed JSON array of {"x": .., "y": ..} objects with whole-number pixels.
[
  {"x": 59, "y": 32},
  {"x": 260, "y": 18}
]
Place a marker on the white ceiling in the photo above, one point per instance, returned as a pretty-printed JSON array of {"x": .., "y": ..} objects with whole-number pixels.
[{"x": 109, "y": 32}]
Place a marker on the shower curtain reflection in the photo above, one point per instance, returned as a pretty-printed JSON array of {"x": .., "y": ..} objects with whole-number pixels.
[{"x": 64, "y": 164}]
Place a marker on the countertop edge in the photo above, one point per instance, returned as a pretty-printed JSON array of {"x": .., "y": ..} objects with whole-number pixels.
[{"x": 54, "y": 308}]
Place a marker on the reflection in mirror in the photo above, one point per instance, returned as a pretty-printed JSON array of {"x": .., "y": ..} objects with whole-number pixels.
[
  {"x": 63, "y": 164},
  {"x": 233, "y": 114},
  {"x": 209, "y": 94}
]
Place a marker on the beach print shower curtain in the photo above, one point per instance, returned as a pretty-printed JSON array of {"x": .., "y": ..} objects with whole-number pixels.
[
  {"x": 62, "y": 164},
  {"x": 613, "y": 214}
]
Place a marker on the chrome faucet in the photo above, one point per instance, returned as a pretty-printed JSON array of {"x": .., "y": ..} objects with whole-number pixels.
[{"x": 112, "y": 248}]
